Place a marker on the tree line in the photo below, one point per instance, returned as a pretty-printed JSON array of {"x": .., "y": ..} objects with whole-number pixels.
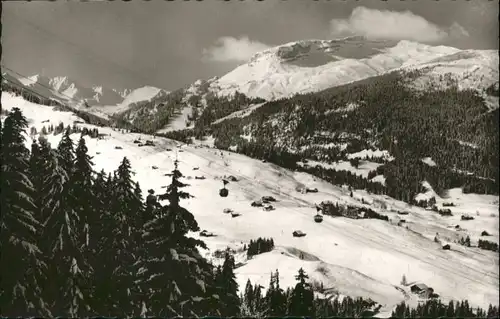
[
  {"x": 487, "y": 245},
  {"x": 259, "y": 246},
  {"x": 436, "y": 309}
]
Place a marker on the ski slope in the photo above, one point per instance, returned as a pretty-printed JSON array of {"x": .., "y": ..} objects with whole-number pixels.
[{"x": 353, "y": 257}]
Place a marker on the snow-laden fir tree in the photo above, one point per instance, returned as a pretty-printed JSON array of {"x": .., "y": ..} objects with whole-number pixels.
[
  {"x": 102, "y": 265},
  {"x": 252, "y": 302},
  {"x": 82, "y": 191},
  {"x": 138, "y": 295},
  {"x": 20, "y": 258},
  {"x": 127, "y": 206},
  {"x": 179, "y": 279},
  {"x": 101, "y": 206},
  {"x": 42, "y": 165},
  {"x": 117, "y": 249},
  {"x": 65, "y": 149},
  {"x": 36, "y": 176},
  {"x": 68, "y": 284}
]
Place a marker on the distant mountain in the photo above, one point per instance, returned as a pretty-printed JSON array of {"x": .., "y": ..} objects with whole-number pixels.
[
  {"x": 67, "y": 90},
  {"x": 97, "y": 99},
  {"x": 315, "y": 65}
]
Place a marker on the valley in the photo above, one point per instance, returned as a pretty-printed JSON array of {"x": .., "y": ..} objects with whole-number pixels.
[{"x": 356, "y": 257}]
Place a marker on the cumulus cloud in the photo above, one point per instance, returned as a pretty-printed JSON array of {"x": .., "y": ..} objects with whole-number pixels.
[
  {"x": 230, "y": 49},
  {"x": 393, "y": 25}
]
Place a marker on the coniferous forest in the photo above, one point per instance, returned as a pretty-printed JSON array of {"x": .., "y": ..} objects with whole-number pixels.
[{"x": 76, "y": 242}]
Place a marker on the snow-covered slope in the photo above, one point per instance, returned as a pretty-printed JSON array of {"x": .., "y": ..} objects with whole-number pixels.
[
  {"x": 145, "y": 93},
  {"x": 356, "y": 257},
  {"x": 314, "y": 65},
  {"x": 130, "y": 99}
]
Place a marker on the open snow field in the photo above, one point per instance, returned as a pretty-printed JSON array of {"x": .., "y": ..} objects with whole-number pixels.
[{"x": 355, "y": 257}]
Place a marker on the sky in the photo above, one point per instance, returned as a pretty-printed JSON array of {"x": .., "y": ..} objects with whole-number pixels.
[{"x": 169, "y": 45}]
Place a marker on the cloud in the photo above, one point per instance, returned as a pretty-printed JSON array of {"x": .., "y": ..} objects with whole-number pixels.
[
  {"x": 229, "y": 49},
  {"x": 393, "y": 25}
]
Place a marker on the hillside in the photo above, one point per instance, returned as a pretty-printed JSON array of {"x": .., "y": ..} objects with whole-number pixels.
[
  {"x": 455, "y": 128},
  {"x": 356, "y": 257}
]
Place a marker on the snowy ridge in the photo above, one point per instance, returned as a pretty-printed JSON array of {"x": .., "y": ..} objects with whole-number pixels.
[
  {"x": 145, "y": 93},
  {"x": 467, "y": 69},
  {"x": 314, "y": 65},
  {"x": 356, "y": 257},
  {"x": 97, "y": 99}
]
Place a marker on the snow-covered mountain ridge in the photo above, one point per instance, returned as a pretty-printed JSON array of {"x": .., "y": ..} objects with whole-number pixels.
[
  {"x": 314, "y": 65},
  {"x": 97, "y": 99}
]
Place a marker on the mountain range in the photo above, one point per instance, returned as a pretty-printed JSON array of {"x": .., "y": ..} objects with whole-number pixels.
[
  {"x": 289, "y": 69},
  {"x": 314, "y": 65},
  {"x": 97, "y": 99}
]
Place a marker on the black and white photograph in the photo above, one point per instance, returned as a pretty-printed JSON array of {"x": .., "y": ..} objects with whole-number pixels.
[{"x": 249, "y": 159}]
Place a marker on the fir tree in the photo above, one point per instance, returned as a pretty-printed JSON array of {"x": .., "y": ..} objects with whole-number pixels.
[
  {"x": 259, "y": 302},
  {"x": 66, "y": 153},
  {"x": 227, "y": 288},
  {"x": 467, "y": 241},
  {"x": 152, "y": 207},
  {"x": 247, "y": 304},
  {"x": 187, "y": 288},
  {"x": 36, "y": 176},
  {"x": 450, "y": 312},
  {"x": 275, "y": 297},
  {"x": 116, "y": 288},
  {"x": 102, "y": 208},
  {"x": 138, "y": 207},
  {"x": 20, "y": 291},
  {"x": 102, "y": 248},
  {"x": 302, "y": 298},
  {"x": 68, "y": 266},
  {"x": 81, "y": 182}
]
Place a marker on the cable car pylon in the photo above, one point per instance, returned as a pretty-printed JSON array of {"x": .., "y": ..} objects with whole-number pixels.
[
  {"x": 223, "y": 192},
  {"x": 318, "y": 218}
]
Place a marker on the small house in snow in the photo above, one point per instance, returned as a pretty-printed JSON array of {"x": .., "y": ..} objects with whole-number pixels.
[
  {"x": 298, "y": 233},
  {"x": 422, "y": 290},
  {"x": 257, "y": 203}
]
